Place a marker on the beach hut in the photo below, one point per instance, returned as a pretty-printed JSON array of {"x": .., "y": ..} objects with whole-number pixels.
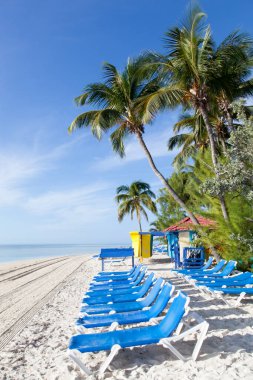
[
  {"x": 181, "y": 234},
  {"x": 142, "y": 242}
]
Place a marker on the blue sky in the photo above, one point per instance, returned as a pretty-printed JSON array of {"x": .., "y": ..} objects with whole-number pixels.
[{"x": 57, "y": 188}]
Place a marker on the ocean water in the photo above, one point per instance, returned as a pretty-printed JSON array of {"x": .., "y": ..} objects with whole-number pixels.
[{"x": 17, "y": 252}]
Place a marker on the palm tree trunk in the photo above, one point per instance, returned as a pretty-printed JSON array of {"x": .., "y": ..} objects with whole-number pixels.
[
  {"x": 214, "y": 157},
  {"x": 211, "y": 137},
  {"x": 215, "y": 254},
  {"x": 139, "y": 220},
  {"x": 224, "y": 148},
  {"x": 163, "y": 180},
  {"x": 230, "y": 122}
]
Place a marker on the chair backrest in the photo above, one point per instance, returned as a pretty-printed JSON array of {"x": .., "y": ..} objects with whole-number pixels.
[
  {"x": 208, "y": 263},
  {"x": 217, "y": 267},
  {"x": 116, "y": 252},
  {"x": 136, "y": 273},
  {"x": 161, "y": 300},
  {"x": 114, "y": 275},
  {"x": 147, "y": 284},
  {"x": 239, "y": 276},
  {"x": 149, "y": 299},
  {"x": 139, "y": 278},
  {"x": 243, "y": 276},
  {"x": 174, "y": 315},
  {"x": 244, "y": 281},
  {"x": 117, "y": 273},
  {"x": 228, "y": 268}
]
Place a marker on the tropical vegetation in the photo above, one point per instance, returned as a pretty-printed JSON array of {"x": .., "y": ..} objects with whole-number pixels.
[{"x": 213, "y": 167}]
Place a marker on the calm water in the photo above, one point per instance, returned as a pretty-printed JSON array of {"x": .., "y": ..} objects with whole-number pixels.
[{"x": 18, "y": 252}]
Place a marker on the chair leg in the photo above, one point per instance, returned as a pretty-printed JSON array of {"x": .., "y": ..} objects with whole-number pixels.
[
  {"x": 200, "y": 340},
  {"x": 81, "y": 329},
  {"x": 202, "y": 328},
  {"x": 73, "y": 354},
  {"x": 115, "y": 349},
  {"x": 238, "y": 301},
  {"x": 220, "y": 296},
  {"x": 205, "y": 292}
]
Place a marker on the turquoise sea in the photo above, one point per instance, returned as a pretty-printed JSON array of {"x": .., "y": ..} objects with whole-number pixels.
[{"x": 16, "y": 252}]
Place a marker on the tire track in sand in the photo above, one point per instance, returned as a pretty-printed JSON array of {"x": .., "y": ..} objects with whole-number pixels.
[{"x": 36, "y": 298}]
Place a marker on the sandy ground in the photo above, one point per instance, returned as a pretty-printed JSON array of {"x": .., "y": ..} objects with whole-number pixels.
[{"x": 38, "y": 310}]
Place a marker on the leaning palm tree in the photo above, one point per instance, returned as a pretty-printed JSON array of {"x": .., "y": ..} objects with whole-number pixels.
[
  {"x": 133, "y": 199},
  {"x": 203, "y": 74},
  {"x": 123, "y": 102}
]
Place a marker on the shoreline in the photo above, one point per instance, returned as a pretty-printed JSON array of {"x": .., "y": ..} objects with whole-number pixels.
[
  {"x": 12, "y": 253},
  {"x": 38, "y": 350}
]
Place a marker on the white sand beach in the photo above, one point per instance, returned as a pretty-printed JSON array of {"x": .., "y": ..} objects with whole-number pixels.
[{"x": 40, "y": 299}]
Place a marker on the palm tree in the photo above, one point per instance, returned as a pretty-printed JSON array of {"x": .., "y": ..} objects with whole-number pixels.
[
  {"x": 195, "y": 138},
  {"x": 202, "y": 73},
  {"x": 133, "y": 199},
  {"x": 190, "y": 136},
  {"x": 124, "y": 102}
]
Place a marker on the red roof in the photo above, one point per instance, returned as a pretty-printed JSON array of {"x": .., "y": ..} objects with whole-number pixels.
[{"x": 186, "y": 224}]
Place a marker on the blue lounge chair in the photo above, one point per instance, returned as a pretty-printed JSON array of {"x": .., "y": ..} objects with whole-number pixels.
[
  {"x": 215, "y": 269},
  {"x": 115, "y": 290},
  {"x": 125, "y": 306},
  {"x": 125, "y": 272},
  {"x": 240, "y": 291},
  {"x": 226, "y": 271},
  {"x": 235, "y": 280},
  {"x": 129, "y": 317},
  {"x": 121, "y": 297},
  {"x": 160, "y": 333},
  {"x": 193, "y": 271},
  {"x": 111, "y": 286},
  {"x": 118, "y": 277},
  {"x": 120, "y": 280},
  {"x": 115, "y": 255}
]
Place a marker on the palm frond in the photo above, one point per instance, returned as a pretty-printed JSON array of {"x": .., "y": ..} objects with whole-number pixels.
[
  {"x": 179, "y": 140},
  {"x": 99, "y": 121},
  {"x": 117, "y": 139},
  {"x": 143, "y": 212},
  {"x": 122, "y": 189},
  {"x": 151, "y": 104}
]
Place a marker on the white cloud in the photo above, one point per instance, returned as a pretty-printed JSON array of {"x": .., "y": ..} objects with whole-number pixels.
[
  {"x": 18, "y": 166},
  {"x": 72, "y": 209},
  {"x": 76, "y": 200}
]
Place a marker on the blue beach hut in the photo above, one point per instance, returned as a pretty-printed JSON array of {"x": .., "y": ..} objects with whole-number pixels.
[{"x": 181, "y": 235}]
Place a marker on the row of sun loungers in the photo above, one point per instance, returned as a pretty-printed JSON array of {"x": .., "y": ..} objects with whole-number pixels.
[
  {"x": 116, "y": 300},
  {"x": 219, "y": 281}
]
